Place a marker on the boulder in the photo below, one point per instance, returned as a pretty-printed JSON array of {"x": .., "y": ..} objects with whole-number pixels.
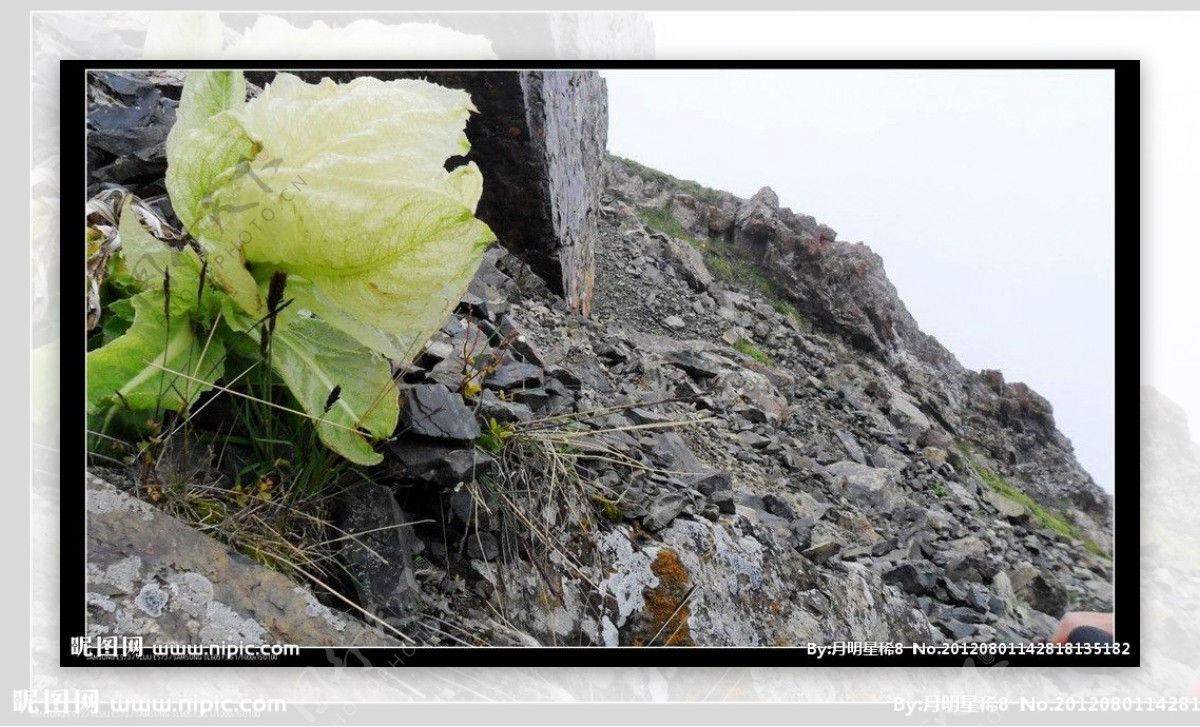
[
  {"x": 515, "y": 376},
  {"x": 1010, "y": 509},
  {"x": 432, "y": 410},
  {"x": 436, "y": 463},
  {"x": 151, "y": 575},
  {"x": 914, "y": 576},
  {"x": 689, "y": 262},
  {"x": 873, "y": 485},
  {"x": 377, "y": 554},
  {"x": 1042, "y": 593}
]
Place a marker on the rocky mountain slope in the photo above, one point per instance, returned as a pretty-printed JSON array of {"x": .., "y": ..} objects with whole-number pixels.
[
  {"x": 764, "y": 477},
  {"x": 748, "y": 441}
]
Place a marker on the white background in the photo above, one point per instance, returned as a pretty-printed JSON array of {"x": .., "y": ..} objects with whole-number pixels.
[{"x": 1166, "y": 44}]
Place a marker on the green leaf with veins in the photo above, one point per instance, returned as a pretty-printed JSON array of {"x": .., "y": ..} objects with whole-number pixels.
[
  {"x": 313, "y": 359},
  {"x": 129, "y": 371},
  {"x": 200, "y": 160},
  {"x": 348, "y": 193}
]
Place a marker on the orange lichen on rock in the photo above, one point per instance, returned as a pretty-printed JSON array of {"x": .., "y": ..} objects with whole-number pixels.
[{"x": 668, "y": 619}]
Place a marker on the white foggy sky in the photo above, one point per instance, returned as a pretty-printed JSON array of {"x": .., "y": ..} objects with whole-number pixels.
[{"x": 989, "y": 195}]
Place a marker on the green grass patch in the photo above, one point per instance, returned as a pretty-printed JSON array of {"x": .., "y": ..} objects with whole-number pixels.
[
  {"x": 687, "y": 186},
  {"x": 938, "y": 489},
  {"x": 754, "y": 352},
  {"x": 1046, "y": 518},
  {"x": 788, "y": 310},
  {"x": 661, "y": 219}
]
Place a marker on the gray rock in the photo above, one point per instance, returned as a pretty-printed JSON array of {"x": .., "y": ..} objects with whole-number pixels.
[
  {"x": 674, "y": 454},
  {"x": 441, "y": 464},
  {"x": 432, "y": 410},
  {"x": 723, "y": 500},
  {"x": 1039, "y": 591},
  {"x": 706, "y": 483},
  {"x": 916, "y": 576},
  {"x": 907, "y": 416},
  {"x": 850, "y": 444},
  {"x": 378, "y": 552},
  {"x": 515, "y": 376},
  {"x": 957, "y": 629},
  {"x": 745, "y": 390},
  {"x": 483, "y": 546},
  {"x": 1010, "y": 509},
  {"x": 675, "y": 323},
  {"x": 822, "y": 552},
  {"x": 663, "y": 509},
  {"x": 802, "y": 528},
  {"x": 752, "y": 439},
  {"x": 778, "y": 507},
  {"x": 504, "y": 412},
  {"x": 697, "y": 364},
  {"x": 142, "y": 561},
  {"x": 873, "y": 484},
  {"x": 536, "y": 399},
  {"x": 689, "y": 262}
]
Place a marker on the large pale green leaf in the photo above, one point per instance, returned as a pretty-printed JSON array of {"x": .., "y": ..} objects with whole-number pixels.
[
  {"x": 203, "y": 154},
  {"x": 348, "y": 193},
  {"x": 315, "y": 360},
  {"x": 208, "y": 93},
  {"x": 159, "y": 363}
]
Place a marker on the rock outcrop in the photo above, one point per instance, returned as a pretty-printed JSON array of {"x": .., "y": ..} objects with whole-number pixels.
[
  {"x": 153, "y": 576},
  {"x": 842, "y": 289}
]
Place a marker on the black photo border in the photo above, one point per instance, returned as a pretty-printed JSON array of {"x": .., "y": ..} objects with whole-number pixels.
[{"x": 1127, "y": 527}]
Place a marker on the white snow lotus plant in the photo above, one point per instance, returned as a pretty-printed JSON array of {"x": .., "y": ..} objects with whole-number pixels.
[{"x": 325, "y": 236}]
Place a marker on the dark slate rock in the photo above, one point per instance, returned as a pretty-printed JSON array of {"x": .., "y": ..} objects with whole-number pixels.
[
  {"x": 955, "y": 592},
  {"x": 515, "y": 376},
  {"x": 778, "y": 507},
  {"x": 565, "y": 377},
  {"x": 997, "y": 605},
  {"x": 505, "y": 412},
  {"x": 1042, "y": 593},
  {"x": 432, "y": 410},
  {"x": 723, "y": 500},
  {"x": 695, "y": 364},
  {"x": 590, "y": 372},
  {"x": 672, "y": 453},
  {"x": 707, "y": 483},
  {"x": 802, "y": 532},
  {"x": 916, "y": 576},
  {"x": 664, "y": 509},
  {"x": 536, "y": 399},
  {"x": 441, "y": 464},
  {"x": 956, "y": 629},
  {"x": 483, "y": 546},
  {"x": 752, "y": 439},
  {"x": 379, "y": 556},
  {"x": 964, "y": 614},
  {"x": 973, "y": 567},
  {"x": 850, "y": 444},
  {"x": 638, "y": 415}
]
